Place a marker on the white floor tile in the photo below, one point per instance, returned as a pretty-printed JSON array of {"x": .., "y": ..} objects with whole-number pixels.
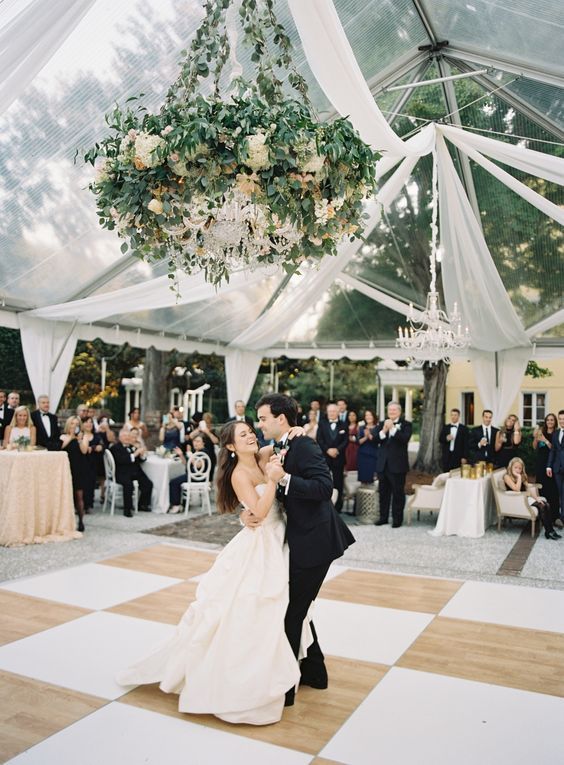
[
  {"x": 368, "y": 633},
  {"x": 528, "y": 607},
  {"x": 119, "y": 734},
  {"x": 417, "y": 717},
  {"x": 91, "y": 585},
  {"x": 85, "y": 654}
]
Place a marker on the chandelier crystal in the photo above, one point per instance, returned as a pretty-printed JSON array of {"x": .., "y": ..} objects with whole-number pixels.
[{"x": 432, "y": 335}]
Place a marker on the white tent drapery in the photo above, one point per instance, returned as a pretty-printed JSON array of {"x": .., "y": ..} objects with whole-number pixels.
[{"x": 468, "y": 271}]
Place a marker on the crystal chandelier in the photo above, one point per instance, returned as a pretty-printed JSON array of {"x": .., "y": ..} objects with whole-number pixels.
[{"x": 433, "y": 335}]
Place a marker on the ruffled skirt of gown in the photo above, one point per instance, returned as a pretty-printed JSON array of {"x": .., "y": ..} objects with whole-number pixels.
[{"x": 229, "y": 655}]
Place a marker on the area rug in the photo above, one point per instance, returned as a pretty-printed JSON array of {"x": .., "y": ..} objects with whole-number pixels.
[{"x": 214, "y": 529}]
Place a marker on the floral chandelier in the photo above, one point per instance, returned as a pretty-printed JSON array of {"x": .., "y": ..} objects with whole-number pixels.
[
  {"x": 239, "y": 178},
  {"x": 434, "y": 335}
]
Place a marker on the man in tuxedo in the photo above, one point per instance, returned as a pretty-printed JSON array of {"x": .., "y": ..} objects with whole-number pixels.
[
  {"x": 46, "y": 425},
  {"x": 454, "y": 440},
  {"x": 240, "y": 415},
  {"x": 128, "y": 469},
  {"x": 316, "y": 534},
  {"x": 3, "y": 408},
  {"x": 481, "y": 444},
  {"x": 392, "y": 463},
  {"x": 342, "y": 408},
  {"x": 333, "y": 437},
  {"x": 8, "y": 411},
  {"x": 555, "y": 464}
]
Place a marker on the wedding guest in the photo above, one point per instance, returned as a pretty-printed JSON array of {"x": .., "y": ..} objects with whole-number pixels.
[
  {"x": 21, "y": 427},
  {"x": 81, "y": 411},
  {"x": 507, "y": 439},
  {"x": 311, "y": 426},
  {"x": 170, "y": 432},
  {"x": 240, "y": 415},
  {"x": 12, "y": 403},
  {"x": 315, "y": 404},
  {"x": 206, "y": 430},
  {"x": 392, "y": 464},
  {"x": 47, "y": 425},
  {"x": 76, "y": 448},
  {"x": 128, "y": 469},
  {"x": 515, "y": 479},
  {"x": 3, "y": 409},
  {"x": 367, "y": 449},
  {"x": 454, "y": 440},
  {"x": 542, "y": 444},
  {"x": 555, "y": 464},
  {"x": 107, "y": 437},
  {"x": 333, "y": 437},
  {"x": 343, "y": 410},
  {"x": 94, "y": 449},
  {"x": 351, "y": 452},
  {"x": 134, "y": 421},
  {"x": 175, "y": 485},
  {"x": 482, "y": 440}
]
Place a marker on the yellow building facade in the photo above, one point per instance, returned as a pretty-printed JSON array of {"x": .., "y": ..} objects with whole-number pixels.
[{"x": 536, "y": 398}]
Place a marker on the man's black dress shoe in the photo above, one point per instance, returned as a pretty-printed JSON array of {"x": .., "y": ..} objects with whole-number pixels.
[
  {"x": 128, "y": 513},
  {"x": 315, "y": 682},
  {"x": 381, "y": 523},
  {"x": 396, "y": 525},
  {"x": 552, "y": 535}
]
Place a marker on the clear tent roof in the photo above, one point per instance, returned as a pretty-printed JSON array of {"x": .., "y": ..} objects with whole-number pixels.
[{"x": 53, "y": 249}]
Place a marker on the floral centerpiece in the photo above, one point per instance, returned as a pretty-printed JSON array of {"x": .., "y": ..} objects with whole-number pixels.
[
  {"x": 22, "y": 443},
  {"x": 231, "y": 181}
]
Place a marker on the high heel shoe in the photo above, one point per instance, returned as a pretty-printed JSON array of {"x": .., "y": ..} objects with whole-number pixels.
[
  {"x": 80, "y": 526},
  {"x": 174, "y": 509}
]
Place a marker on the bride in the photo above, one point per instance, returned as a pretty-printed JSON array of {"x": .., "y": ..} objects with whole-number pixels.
[{"x": 229, "y": 655}]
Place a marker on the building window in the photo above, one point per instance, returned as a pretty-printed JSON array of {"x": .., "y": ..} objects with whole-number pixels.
[
  {"x": 533, "y": 409},
  {"x": 468, "y": 407}
]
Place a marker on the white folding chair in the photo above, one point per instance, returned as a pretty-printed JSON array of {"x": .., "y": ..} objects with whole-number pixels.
[
  {"x": 112, "y": 487},
  {"x": 198, "y": 468}
]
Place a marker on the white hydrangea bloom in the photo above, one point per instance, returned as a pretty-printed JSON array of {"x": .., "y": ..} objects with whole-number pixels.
[
  {"x": 314, "y": 164},
  {"x": 145, "y": 145},
  {"x": 258, "y": 152}
]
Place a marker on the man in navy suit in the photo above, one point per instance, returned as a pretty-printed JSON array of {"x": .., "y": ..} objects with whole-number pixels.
[
  {"x": 481, "y": 444},
  {"x": 555, "y": 465},
  {"x": 46, "y": 425},
  {"x": 392, "y": 464}
]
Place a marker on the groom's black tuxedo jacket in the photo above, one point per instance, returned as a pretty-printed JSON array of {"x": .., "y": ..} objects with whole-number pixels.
[
  {"x": 316, "y": 533},
  {"x": 52, "y": 442}
]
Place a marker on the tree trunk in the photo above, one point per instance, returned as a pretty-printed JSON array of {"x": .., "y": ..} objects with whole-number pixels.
[
  {"x": 432, "y": 417},
  {"x": 154, "y": 399}
]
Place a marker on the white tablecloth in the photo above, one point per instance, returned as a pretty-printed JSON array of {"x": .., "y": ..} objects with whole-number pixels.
[
  {"x": 467, "y": 508},
  {"x": 161, "y": 470}
]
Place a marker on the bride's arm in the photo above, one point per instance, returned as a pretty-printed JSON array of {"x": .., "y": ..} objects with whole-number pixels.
[{"x": 257, "y": 504}]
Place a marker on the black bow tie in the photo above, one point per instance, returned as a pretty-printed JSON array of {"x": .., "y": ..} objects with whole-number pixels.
[
  {"x": 45, "y": 414},
  {"x": 279, "y": 445}
]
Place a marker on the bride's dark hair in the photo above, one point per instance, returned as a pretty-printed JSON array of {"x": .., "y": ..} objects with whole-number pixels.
[{"x": 226, "y": 499}]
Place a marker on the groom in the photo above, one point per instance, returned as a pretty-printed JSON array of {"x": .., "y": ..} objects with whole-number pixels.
[{"x": 316, "y": 534}]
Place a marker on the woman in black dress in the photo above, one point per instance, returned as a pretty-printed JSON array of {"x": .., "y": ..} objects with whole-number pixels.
[
  {"x": 507, "y": 441},
  {"x": 74, "y": 445},
  {"x": 542, "y": 444},
  {"x": 94, "y": 449}
]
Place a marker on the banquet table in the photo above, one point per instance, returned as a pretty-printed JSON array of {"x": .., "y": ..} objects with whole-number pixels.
[
  {"x": 161, "y": 470},
  {"x": 467, "y": 508},
  {"x": 36, "y": 498}
]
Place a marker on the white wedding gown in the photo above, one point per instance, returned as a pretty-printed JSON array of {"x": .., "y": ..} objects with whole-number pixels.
[{"x": 229, "y": 655}]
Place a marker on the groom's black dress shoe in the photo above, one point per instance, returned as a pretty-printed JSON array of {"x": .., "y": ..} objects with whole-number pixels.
[
  {"x": 289, "y": 701},
  {"x": 315, "y": 682},
  {"x": 381, "y": 523}
]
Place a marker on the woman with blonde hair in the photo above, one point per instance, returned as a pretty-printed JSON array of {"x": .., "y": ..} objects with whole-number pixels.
[
  {"x": 515, "y": 479},
  {"x": 21, "y": 426}
]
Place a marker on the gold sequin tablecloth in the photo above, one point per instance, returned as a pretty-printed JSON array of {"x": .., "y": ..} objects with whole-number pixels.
[{"x": 36, "y": 499}]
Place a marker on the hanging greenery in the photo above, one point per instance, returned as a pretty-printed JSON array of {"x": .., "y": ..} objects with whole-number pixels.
[{"x": 232, "y": 180}]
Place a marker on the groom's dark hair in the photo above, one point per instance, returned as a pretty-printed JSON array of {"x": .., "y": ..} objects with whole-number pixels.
[{"x": 280, "y": 404}]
